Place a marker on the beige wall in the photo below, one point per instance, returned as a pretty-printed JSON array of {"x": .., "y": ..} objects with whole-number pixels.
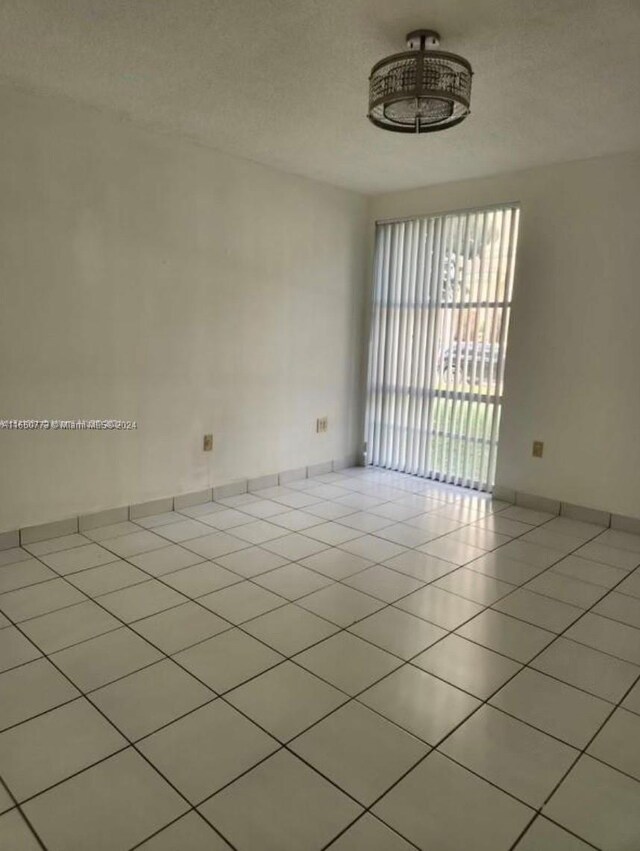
[
  {"x": 143, "y": 277},
  {"x": 573, "y": 365}
]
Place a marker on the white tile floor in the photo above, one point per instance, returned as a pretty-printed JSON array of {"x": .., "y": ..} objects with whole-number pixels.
[{"x": 363, "y": 661}]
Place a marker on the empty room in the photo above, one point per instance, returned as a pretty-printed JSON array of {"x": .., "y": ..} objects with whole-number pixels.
[{"x": 319, "y": 425}]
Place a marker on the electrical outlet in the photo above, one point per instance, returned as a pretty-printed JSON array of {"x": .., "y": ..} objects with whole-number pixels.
[
  {"x": 207, "y": 443},
  {"x": 538, "y": 448},
  {"x": 322, "y": 425}
]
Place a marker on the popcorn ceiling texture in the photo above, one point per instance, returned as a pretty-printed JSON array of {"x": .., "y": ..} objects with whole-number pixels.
[{"x": 284, "y": 82}]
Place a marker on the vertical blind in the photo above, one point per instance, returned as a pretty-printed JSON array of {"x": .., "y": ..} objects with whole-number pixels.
[{"x": 441, "y": 305}]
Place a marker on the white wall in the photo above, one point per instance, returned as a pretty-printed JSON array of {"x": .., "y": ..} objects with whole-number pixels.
[
  {"x": 144, "y": 277},
  {"x": 573, "y": 364}
]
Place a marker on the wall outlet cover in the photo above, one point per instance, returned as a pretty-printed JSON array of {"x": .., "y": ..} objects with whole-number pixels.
[{"x": 207, "y": 443}]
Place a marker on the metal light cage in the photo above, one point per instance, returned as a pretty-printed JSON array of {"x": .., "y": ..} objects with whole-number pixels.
[{"x": 421, "y": 90}]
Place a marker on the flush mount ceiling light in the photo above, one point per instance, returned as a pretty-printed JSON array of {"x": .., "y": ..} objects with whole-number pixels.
[{"x": 421, "y": 90}]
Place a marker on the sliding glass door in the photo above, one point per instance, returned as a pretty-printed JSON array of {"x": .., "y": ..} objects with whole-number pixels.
[{"x": 440, "y": 319}]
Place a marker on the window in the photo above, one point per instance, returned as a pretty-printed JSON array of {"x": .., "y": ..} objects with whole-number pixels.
[{"x": 442, "y": 298}]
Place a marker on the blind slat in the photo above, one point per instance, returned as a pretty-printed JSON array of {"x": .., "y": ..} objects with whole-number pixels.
[{"x": 439, "y": 325}]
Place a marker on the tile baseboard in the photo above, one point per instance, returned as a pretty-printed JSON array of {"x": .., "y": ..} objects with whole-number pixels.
[{"x": 108, "y": 516}]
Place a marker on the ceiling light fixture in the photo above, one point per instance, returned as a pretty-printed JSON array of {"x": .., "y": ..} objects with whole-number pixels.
[{"x": 421, "y": 90}]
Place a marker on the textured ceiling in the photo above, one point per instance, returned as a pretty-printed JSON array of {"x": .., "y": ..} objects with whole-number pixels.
[{"x": 284, "y": 82}]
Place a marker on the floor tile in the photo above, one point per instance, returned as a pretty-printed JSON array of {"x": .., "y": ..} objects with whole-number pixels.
[
  {"x": 31, "y": 689},
  {"x": 474, "y": 586},
  {"x": 292, "y": 581},
  {"x": 103, "y": 659},
  {"x": 538, "y": 610},
  {"x": 336, "y": 563},
  {"x": 405, "y": 535},
  {"x": 590, "y": 571},
  {"x": 620, "y": 607},
  {"x": 526, "y": 515},
  {"x": 15, "y": 833},
  {"x": 294, "y": 546},
  {"x": 264, "y": 508},
  {"x": 134, "y": 544},
  {"x": 543, "y": 835},
  {"x": 514, "y": 756},
  {"x": 371, "y": 834},
  {"x": 632, "y": 700},
  {"x": 332, "y": 533},
  {"x": 140, "y": 601},
  {"x": 364, "y": 522},
  {"x": 180, "y": 627},
  {"x": 467, "y": 665},
  {"x": 78, "y": 558},
  {"x": 587, "y": 669},
  {"x": 630, "y": 585},
  {"x": 484, "y": 539},
  {"x": 420, "y": 703},
  {"x": 426, "y": 807},
  {"x": 183, "y": 530},
  {"x": 289, "y": 629},
  {"x": 200, "y": 579},
  {"x": 240, "y": 602},
  {"x": 68, "y": 626},
  {"x": 113, "y": 805},
  {"x": 286, "y": 700},
  {"x": 595, "y": 551},
  {"x": 375, "y": 549},
  {"x": 113, "y": 530},
  {"x": 566, "y": 589},
  {"x": 500, "y": 566},
  {"x": 395, "y": 512},
  {"x": 347, "y": 662},
  {"x": 23, "y": 574},
  {"x": 618, "y": 743},
  {"x": 361, "y": 752},
  {"x": 576, "y": 528},
  {"x": 228, "y": 518},
  {"x": 340, "y": 605},
  {"x": 189, "y": 833},
  {"x": 452, "y": 550},
  {"x": 146, "y": 700},
  {"x": 233, "y": 744},
  {"x": 155, "y": 521},
  {"x": 15, "y": 649},
  {"x": 329, "y": 510},
  {"x": 545, "y": 537},
  {"x": 609, "y": 636},
  {"x": 439, "y": 607},
  {"x": 421, "y": 566},
  {"x": 166, "y": 560},
  {"x": 39, "y": 599},
  {"x": 621, "y": 540},
  {"x": 384, "y": 584},
  {"x": 282, "y": 805},
  {"x": 228, "y": 659},
  {"x": 14, "y": 555},
  {"x": 258, "y": 532},
  {"x": 106, "y": 578},
  {"x": 297, "y": 521},
  {"x": 251, "y": 562},
  {"x": 506, "y": 635},
  {"x": 533, "y": 554},
  {"x": 502, "y": 525},
  {"x": 553, "y": 707},
  {"x": 53, "y": 746},
  {"x": 599, "y": 804},
  {"x": 398, "y": 632},
  {"x": 216, "y": 545}
]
